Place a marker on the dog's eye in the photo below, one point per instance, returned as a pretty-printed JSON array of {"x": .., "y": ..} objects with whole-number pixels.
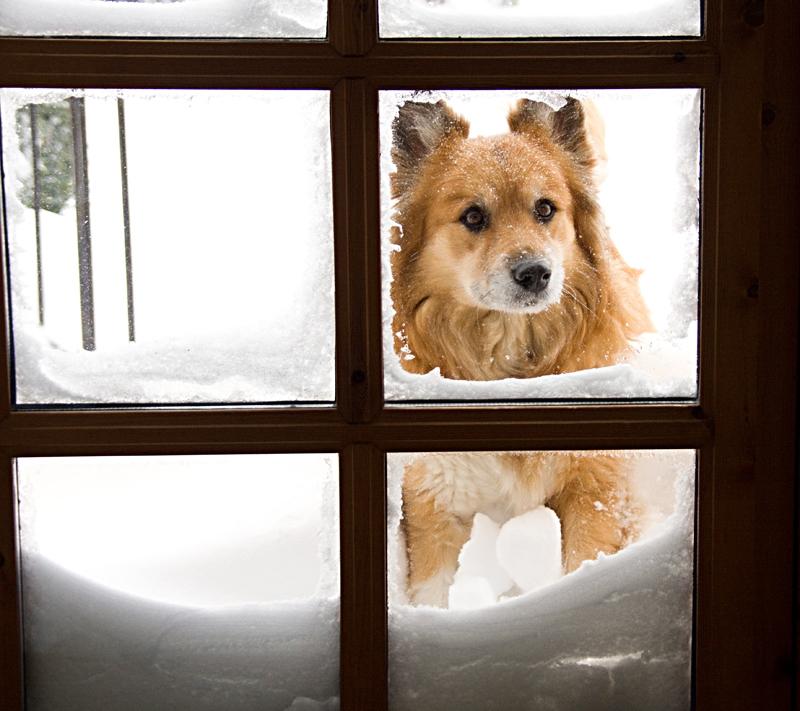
[
  {"x": 544, "y": 210},
  {"x": 474, "y": 219}
]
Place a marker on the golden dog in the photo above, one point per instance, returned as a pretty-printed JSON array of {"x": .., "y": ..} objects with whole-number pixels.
[{"x": 505, "y": 270}]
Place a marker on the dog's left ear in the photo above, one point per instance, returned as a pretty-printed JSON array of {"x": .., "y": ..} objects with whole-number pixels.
[{"x": 577, "y": 127}]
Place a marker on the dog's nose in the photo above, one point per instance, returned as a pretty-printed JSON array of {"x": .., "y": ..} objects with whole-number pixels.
[{"x": 532, "y": 275}]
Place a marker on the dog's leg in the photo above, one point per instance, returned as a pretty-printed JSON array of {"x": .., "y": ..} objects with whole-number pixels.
[
  {"x": 593, "y": 508},
  {"x": 434, "y": 538}
]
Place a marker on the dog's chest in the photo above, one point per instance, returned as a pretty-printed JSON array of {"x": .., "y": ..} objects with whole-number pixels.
[{"x": 466, "y": 484}]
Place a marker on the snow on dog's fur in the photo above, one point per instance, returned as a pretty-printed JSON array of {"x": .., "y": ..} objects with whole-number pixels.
[{"x": 505, "y": 270}]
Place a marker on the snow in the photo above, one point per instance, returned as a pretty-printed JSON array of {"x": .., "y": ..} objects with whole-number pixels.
[
  {"x": 176, "y": 18},
  {"x": 532, "y": 18},
  {"x": 232, "y": 253},
  {"x": 222, "y": 591},
  {"x": 650, "y": 199},
  {"x": 529, "y": 548},
  {"x": 480, "y": 578},
  {"x": 615, "y": 634},
  {"x": 89, "y": 648}
]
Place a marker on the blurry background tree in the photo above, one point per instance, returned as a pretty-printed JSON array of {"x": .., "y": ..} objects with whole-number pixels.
[{"x": 54, "y": 130}]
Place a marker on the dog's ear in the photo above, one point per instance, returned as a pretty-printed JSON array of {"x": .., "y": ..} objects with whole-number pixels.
[
  {"x": 418, "y": 130},
  {"x": 577, "y": 127}
]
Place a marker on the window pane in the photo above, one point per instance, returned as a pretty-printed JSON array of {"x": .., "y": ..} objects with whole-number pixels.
[
  {"x": 165, "y": 18},
  {"x": 546, "y": 580},
  {"x": 180, "y": 582},
  {"x": 533, "y": 18},
  {"x": 557, "y": 260},
  {"x": 182, "y": 249}
]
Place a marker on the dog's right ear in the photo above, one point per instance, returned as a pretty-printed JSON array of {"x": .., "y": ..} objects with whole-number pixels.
[
  {"x": 418, "y": 130},
  {"x": 577, "y": 127}
]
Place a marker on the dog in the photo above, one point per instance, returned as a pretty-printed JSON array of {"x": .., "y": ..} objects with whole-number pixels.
[{"x": 503, "y": 268}]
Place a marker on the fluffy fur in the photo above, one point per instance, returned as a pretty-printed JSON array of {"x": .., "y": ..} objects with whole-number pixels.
[
  {"x": 443, "y": 492},
  {"x": 457, "y": 306},
  {"x": 475, "y": 217}
]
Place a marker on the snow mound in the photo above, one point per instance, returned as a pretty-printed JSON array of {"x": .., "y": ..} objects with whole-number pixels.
[
  {"x": 529, "y": 18},
  {"x": 615, "y": 635},
  {"x": 178, "y": 18},
  {"x": 88, "y": 648}
]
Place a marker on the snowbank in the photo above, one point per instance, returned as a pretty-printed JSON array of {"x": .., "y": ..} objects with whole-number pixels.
[
  {"x": 179, "y": 18},
  {"x": 614, "y": 635},
  {"x": 88, "y": 648},
  {"x": 531, "y": 18},
  {"x": 180, "y": 582}
]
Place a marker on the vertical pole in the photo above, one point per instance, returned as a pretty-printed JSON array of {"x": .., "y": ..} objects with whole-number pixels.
[
  {"x": 126, "y": 216},
  {"x": 78, "y": 110},
  {"x": 37, "y": 206}
]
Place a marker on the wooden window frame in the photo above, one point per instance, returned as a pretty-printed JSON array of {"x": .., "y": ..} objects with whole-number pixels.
[{"x": 743, "y": 424}]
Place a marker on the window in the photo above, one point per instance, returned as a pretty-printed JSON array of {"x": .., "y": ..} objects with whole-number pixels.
[{"x": 739, "y": 424}]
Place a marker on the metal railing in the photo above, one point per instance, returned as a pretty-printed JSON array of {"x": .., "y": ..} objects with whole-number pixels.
[{"x": 81, "y": 192}]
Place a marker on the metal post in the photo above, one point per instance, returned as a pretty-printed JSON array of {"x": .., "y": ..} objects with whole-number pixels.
[
  {"x": 126, "y": 217},
  {"x": 78, "y": 111},
  {"x": 37, "y": 206}
]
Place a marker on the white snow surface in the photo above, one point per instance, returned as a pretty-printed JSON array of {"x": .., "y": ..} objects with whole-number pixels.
[
  {"x": 650, "y": 198},
  {"x": 161, "y": 18},
  {"x": 479, "y": 571},
  {"x": 220, "y": 592},
  {"x": 529, "y": 548},
  {"x": 89, "y": 648},
  {"x": 614, "y": 635},
  {"x": 533, "y": 18},
  {"x": 232, "y": 248}
]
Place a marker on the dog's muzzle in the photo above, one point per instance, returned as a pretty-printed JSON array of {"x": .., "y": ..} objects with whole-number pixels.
[{"x": 533, "y": 275}]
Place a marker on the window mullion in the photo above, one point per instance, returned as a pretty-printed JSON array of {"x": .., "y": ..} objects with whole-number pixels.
[
  {"x": 352, "y": 26},
  {"x": 364, "y": 635},
  {"x": 354, "y": 124}
]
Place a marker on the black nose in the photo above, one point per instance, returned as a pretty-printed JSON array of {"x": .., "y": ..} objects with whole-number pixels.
[{"x": 532, "y": 275}]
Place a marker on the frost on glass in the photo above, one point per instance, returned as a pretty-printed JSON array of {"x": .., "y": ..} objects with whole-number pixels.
[
  {"x": 165, "y": 18},
  {"x": 490, "y": 606},
  {"x": 199, "y": 583},
  {"x": 218, "y": 288},
  {"x": 534, "y": 18},
  {"x": 602, "y": 185}
]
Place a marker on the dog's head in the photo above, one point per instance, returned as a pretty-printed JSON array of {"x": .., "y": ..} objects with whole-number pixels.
[{"x": 495, "y": 222}]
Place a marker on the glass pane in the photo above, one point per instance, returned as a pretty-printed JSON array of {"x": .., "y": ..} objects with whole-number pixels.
[
  {"x": 555, "y": 260},
  {"x": 165, "y": 18},
  {"x": 541, "y": 580},
  {"x": 170, "y": 247},
  {"x": 199, "y": 583},
  {"x": 533, "y": 18}
]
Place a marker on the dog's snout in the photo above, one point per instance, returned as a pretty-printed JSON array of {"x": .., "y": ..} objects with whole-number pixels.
[{"x": 532, "y": 275}]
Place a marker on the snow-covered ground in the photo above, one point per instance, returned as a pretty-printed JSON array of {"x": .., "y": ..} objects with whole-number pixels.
[
  {"x": 533, "y": 18},
  {"x": 650, "y": 198},
  {"x": 165, "y": 18},
  {"x": 615, "y": 634},
  {"x": 219, "y": 592},
  {"x": 222, "y": 592},
  {"x": 232, "y": 249}
]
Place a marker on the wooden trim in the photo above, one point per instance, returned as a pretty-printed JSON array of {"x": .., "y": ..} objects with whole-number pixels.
[
  {"x": 323, "y": 72},
  {"x": 776, "y": 488},
  {"x": 364, "y": 670},
  {"x": 728, "y": 560},
  {"x": 43, "y": 432},
  {"x": 359, "y": 388},
  {"x": 12, "y": 687},
  {"x": 353, "y": 26}
]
